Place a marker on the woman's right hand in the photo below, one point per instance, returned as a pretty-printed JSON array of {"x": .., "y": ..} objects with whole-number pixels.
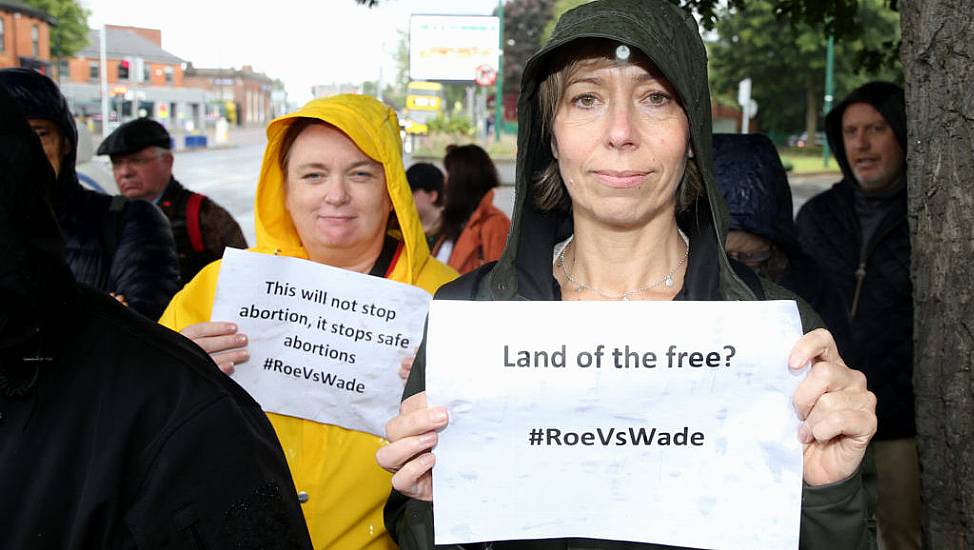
[
  {"x": 411, "y": 436},
  {"x": 226, "y": 346}
]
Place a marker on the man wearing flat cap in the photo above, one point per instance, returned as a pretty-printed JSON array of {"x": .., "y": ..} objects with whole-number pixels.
[{"x": 142, "y": 164}]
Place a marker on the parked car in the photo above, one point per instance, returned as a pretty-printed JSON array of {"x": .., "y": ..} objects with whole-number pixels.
[{"x": 801, "y": 140}]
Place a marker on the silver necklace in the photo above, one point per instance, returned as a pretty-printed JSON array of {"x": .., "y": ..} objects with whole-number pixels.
[{"x": 666, "y": 280}]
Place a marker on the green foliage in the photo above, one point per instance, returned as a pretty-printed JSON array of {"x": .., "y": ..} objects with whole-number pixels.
[
  {"x": 395, "y": 92},
  {"x": 786, "y": 61},
  {"x": 454, "y": 95},
  {"x": 561, "y": 6},
  {"x": 70, "y": 34},
  {"x": 523, "y": 22},
  {"x": 402, "y": 60},
  {"x": 452, "y": 124}
]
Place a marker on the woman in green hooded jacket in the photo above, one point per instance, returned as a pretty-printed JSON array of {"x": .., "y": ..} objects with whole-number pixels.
[{"x": 615, "y": 182}]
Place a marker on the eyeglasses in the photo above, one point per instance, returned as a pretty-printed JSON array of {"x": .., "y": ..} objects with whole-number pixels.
[
  {"x": 750, "y": 258},
  {"x": 135, "y": 162}
]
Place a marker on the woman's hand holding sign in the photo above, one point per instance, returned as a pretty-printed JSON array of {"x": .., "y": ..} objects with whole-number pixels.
[
  {"x": 412, "y": 435},
  {"x": 226, "y": 346},
  {"x": 838, "y": 412}
]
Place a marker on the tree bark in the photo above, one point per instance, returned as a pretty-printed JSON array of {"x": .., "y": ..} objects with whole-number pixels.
[
  {"x": 811, "y": 112},
  {"x": 938, "y": 61}
]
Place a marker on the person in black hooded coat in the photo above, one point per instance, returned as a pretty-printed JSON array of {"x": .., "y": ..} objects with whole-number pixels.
[
  {"x": 761, "y": 230},
  {"x": 615, "y": 165},
  {"x": 118, "y": 246},
  {"x": 859, "y": 234},
  {"x": 115, "y": 432}
]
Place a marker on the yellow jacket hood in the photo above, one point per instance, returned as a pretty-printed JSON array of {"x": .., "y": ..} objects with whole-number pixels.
[{"x": 374, "y": 128}]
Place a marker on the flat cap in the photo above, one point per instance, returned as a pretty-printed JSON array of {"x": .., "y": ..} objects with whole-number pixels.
[{"x": 135, "y": 135}]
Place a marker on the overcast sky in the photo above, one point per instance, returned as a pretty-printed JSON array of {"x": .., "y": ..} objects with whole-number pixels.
[{"x": 301, "y": 42}]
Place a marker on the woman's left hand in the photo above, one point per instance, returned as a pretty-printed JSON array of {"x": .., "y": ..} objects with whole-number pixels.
[{"x": 838, "y": 412}]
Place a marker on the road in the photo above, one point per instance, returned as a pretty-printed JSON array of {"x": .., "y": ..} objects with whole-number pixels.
[{"x": 229, "y": 175}]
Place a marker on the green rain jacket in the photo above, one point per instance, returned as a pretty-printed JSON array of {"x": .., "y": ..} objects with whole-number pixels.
[{"x": 833, "y": 517}]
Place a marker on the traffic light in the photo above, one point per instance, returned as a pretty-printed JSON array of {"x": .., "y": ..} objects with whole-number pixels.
[{"x": 124, "y": 67}]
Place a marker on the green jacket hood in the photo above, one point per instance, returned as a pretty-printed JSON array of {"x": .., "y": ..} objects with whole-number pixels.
[{"x": 669, "y": 37}]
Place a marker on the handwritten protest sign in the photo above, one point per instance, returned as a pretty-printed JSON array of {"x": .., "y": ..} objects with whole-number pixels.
[
  {"x": 325, "y": 343},
  {"x": 668, "y": 423}
]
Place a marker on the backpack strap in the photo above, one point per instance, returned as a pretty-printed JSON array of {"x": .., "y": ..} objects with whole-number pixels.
[
  {"x": 750, "y": 278},
  {"x": 193, "y": 205}
]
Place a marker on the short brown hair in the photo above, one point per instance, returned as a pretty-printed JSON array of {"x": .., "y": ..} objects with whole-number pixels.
[
  {"x": 290, "y": 136},
  {"x": 549, "y": 189}
]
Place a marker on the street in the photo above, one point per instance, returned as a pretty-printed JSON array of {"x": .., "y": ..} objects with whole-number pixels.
[{"x": 229, "y": 176}]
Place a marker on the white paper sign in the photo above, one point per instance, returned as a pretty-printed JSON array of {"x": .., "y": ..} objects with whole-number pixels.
[
  {"x": 669, "y": 423},
  {"x": 325, "y": 343}
]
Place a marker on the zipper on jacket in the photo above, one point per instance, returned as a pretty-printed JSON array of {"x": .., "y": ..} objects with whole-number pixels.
[
  {"x": 860, "y": 276},
  {"x": 863, "y": 254},
  {"x": 861, "y": 271}
]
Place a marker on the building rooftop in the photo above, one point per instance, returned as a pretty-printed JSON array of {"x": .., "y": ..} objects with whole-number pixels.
[
  {"x": 17, "y": 6},
  {"x": 246, "y": 72},
  {"x": 123, "y": 43}
]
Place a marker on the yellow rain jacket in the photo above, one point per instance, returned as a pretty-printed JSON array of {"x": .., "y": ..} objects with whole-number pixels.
[{"x": 334, "y": 466}]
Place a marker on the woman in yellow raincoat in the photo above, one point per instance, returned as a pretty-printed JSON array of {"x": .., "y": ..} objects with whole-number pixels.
[{"x": 333, "y": 190}]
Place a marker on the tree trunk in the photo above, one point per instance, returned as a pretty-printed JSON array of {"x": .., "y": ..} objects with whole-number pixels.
[
  {"x": 811, "y": 112},
  {"x": 938, "y": 61}
]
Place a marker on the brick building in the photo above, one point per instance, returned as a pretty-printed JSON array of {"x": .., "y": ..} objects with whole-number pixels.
[
  {"x": 25, "y": 38},
  {"x": 243, "y": 96},
  {"x": 143, "y": 80}
]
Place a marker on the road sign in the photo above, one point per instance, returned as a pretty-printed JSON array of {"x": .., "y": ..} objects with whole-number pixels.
[{"x": 486, "y": 75}]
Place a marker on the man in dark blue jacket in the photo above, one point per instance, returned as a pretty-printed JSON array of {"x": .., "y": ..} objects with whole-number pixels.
[
  {"x": 858, "y": 233},
  {"x": 121, "y": 247}
]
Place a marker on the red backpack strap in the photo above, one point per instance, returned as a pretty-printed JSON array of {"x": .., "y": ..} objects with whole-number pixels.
[
  {"x": 193, "y": 221},
  {"x": 395, "y": 260}
]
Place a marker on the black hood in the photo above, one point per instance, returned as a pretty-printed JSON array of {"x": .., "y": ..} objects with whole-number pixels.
[
  {"x": 669, "y": 37},
  {"x": 755, "y": 186},
  {"x": 39, "y": 97},
  {"x": 36, "y": 285},
  {"x": 885, "y": 97}
]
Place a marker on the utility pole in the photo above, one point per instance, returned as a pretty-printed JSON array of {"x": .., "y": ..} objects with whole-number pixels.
[
  {"x": 103, "y": 65},
  {"x": 827, "y": 104},
  {"x": 499, "y": 90}
]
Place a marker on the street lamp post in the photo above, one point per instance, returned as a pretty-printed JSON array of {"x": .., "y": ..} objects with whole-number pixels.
[
  {"x": 499, "y": 90},
  {"x": 827, "y": 104},
  {"x": 103, "y": 77}
]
